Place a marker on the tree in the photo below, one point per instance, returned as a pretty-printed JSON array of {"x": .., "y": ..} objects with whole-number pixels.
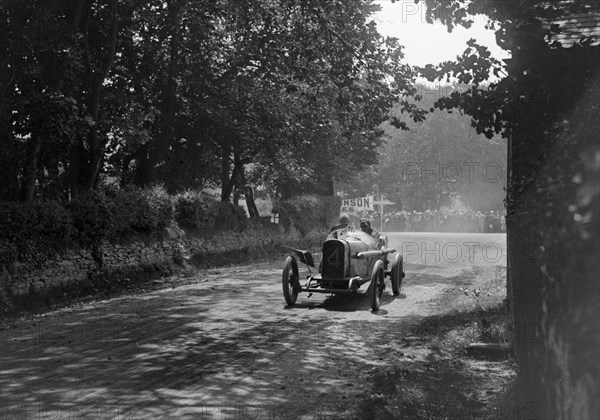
[
  {"x": 37, "y": 104},
  {"x": 437, "y": 160},
  {"x": 192, "y": 94},
  {"x": 546, "y": 105},
  {"x": 59, "y": 56}
]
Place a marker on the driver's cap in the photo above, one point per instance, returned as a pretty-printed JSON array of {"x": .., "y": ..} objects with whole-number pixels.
[{"x": 344, "y": 219}]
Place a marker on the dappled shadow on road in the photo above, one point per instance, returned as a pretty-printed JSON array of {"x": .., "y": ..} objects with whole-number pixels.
[
  {"x": 431, "y": 378},
  {"x": 194, "y": 352},
  {"x": 227, "y": 349},
  {"x": 422, "y": 390},
  {"x": 346, "y": 302},
  {"x": 143, "y": 361},
  {"x": 173, "y": 365}
]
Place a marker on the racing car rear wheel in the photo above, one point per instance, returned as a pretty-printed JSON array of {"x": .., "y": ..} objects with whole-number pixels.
[
  {"x": 288, "y": 279},
  {"x": 396, "y": 274},
  {"x": 377, "y": 285}
]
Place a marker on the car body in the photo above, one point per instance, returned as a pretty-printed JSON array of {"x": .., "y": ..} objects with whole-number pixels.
[{"x": 350, "y": 259}]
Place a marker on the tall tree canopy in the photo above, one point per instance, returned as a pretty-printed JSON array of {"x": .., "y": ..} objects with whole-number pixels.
[
  {"x": 192, "y": 93},
  {"x": 437, "y": 160}
]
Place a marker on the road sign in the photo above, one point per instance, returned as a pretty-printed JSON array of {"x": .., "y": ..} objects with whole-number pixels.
[
  {"x": 382, "y": 202},
  {"x": 354, "y": 205}
]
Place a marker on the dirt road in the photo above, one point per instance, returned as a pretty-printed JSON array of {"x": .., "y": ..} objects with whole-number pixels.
[{"x": 224, "y": 345}]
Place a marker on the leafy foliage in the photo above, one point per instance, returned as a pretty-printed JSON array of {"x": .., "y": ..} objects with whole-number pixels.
[
  {"x": 547, "y": 106},
  {"x": 437, "y": 160},
  {"x": 132, "y": 210},
  {"x": 94, "y": 218},
  {"x": 190, "y": 94},
  {"x": 309, "y": 212},
  {"x": 161, "y": 203},
  {"x": 32, "y": 233},
  {"x": 202, "y": 213}
]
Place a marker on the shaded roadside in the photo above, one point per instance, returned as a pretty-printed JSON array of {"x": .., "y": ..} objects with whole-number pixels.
[
  {"x": 222, "y": 344},
  {"x": 430, "y": 374}
]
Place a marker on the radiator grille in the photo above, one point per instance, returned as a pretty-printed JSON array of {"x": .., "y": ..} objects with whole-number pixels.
[{"x": 334, "y": 259}]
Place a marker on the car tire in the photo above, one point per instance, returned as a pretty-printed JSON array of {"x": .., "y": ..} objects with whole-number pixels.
[
  {"x": 397, "y": 274},
  {"x": 377, "y": 285},
  {"x": 290, "y": 277}
]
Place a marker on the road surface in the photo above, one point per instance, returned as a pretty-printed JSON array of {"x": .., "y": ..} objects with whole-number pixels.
[{"x": 224, "y": 345}]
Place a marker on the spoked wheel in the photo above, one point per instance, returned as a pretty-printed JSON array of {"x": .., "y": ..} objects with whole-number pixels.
[
  {"x": 377, "y": 285},
  {"x": 397, "y": 274},
  {"x": 289, "y": 278}
]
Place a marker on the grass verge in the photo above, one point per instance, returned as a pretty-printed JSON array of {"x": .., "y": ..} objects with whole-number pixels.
[{"x": 434, "y": 376}]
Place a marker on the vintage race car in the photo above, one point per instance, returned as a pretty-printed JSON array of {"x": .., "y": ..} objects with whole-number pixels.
[{"x": 350, "y": 259}]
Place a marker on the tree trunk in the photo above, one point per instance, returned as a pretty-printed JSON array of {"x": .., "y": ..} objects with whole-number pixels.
[
  {"x": 97, "y": 78},
  {"x": 249, "y": 194},
  {"x": 77, "y": 164},
  {"x": 237, "y": 175},
  {"x": 161, "y": 150},
  {"x": 141, "y": 175},
  {"x": 8, "y": 168},
  {"x": 9, "y": 181},
  {"x": 30, "y": 168},
  {"x": 125, "y": 173},
  {"x": 96, "y": 147},
  {"x": 227, "y": 188},
  {"x": 225, "y": 168}
]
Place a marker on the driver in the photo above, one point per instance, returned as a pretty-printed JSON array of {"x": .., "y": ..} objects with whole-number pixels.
[
  {"x": 342, "y": 226},
  {"x": 365, "y": 226}
]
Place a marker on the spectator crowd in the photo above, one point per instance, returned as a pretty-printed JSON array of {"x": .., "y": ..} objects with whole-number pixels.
[{"x": 444, "y": 221}]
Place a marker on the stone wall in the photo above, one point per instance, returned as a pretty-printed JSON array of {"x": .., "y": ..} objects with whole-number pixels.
[{"x": 75, "y": 267}]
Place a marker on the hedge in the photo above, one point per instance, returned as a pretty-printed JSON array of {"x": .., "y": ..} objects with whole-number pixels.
[
  {"x": 309, "y": 212},
  {"x": 31, "y": 233},
  {"x": 205, "y": 215}
]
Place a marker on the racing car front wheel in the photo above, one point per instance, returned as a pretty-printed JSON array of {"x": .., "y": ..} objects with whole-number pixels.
[
  {"x": 288, "y": 279},
  {"x": 377, "y": 285},
  {"x": 396, "y": 274}
]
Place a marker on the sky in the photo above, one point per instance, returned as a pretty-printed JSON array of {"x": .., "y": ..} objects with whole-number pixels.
[{"x": 429, "y": 43}]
